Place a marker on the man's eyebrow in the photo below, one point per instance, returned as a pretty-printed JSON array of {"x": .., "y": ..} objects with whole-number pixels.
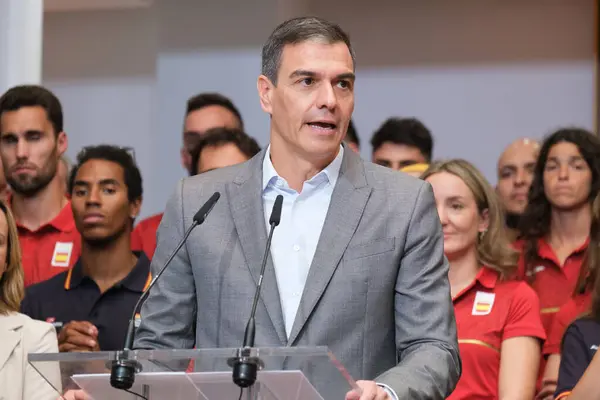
[{"x": 302, "y": 72}]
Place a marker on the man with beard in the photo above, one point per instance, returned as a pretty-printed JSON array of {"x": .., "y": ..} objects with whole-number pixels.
[
  {"x": 32, "y": 141},
  {"x": 515, "y": 173},
  {"x": 91, "y": 303}
]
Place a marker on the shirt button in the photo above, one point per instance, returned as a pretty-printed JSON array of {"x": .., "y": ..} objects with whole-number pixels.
[
  {"x": 296, "y": 247},
  {"x": 296, "y": 294}
]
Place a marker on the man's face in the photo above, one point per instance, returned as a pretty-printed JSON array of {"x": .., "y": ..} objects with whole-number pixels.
[
  {"x": 198, "y": 122},
  {"x": 213, "y": 157},
  {"x": 515, "y": 174},
  {"x": 398, "y": 156},
  {"x": 30, "y": 149},
  {"x": 100, "y": 202},
  {"x": 312, "y": 104}
]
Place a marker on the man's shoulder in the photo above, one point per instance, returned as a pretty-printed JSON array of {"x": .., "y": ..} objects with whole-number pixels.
[
  {"x": 151, "y": 222},
  {"x": 221, "y": 176},
  {"x": 389, "y": 181},
  {"x": 52, "y": 285}
]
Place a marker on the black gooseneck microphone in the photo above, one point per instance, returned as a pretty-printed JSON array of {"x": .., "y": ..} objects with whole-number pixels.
[
  {"x": 123, "y": 369},
  {"x": 245, "y": 368}
]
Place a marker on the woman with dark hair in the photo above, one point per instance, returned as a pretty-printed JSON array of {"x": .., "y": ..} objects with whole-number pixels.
[
  {"x": 559, "y": 226},
  {"x": 580, "y": 361}
]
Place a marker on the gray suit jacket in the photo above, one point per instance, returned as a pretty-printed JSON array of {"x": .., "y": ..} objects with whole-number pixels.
[{"x": 377, "y": 293}]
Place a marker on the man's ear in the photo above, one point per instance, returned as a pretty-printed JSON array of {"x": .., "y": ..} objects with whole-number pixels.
[
  {"x": 265, "y": 93},
  {"x": 62, "y": 143},
  {"x": 135, "y": 207}
]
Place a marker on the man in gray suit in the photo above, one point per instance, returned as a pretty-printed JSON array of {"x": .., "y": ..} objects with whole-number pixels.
[{"x": 357, "y": 262}]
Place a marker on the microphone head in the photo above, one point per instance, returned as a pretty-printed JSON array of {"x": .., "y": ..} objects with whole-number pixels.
[
  {"x": 276, "y": 213},
  {"x": 206, "y": 208}
]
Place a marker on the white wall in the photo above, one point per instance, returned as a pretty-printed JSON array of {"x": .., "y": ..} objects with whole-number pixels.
[{"x": 479, "y": 75}]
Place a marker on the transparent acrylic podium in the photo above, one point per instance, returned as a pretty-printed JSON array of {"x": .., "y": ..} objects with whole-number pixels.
[{"x": 289, "y": 373}]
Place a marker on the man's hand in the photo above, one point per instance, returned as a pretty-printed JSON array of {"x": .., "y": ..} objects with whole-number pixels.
[
  {"x": 370, "y": 391},
  {"x": 78, "y": 336},
  {"x": 75, "y": 395}
]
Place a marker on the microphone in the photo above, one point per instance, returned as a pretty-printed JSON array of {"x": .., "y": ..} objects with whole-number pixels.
[
  {"x": 245, "y": 368},
  {"x": 123, "y": 370}
]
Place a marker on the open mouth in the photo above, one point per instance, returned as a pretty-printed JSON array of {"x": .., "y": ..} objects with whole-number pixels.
[{"x": 324, "y": 126}]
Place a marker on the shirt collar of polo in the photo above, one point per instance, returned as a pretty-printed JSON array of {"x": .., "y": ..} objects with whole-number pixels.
[
  {"x": 486, "y": 278},
  {"x": 137, "y": 280},
  {"x": 545, "y": 251},
  {"x": 62, "y": 222}
]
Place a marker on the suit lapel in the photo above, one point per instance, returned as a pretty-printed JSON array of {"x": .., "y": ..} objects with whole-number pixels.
[
  {"x": 8, "y": 337},
  {"x": 245, "y": 200},
  {"x": 346, "y": 208}
]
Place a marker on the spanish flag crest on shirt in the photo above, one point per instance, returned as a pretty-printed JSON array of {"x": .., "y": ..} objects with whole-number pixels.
[{"x": 483, "y": 303}]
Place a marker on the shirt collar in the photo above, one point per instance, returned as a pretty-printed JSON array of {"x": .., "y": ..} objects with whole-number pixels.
[
  {"x": 63, "y": 222},
  {"x": 545, "y": 250},
  {"x": 137, "y": 280},
  {"x": 330, "y": 172},
  {"x": 486, "y": 278}
]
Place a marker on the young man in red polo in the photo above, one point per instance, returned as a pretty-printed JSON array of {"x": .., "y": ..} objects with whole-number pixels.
[{"x": 32, "y": 140}]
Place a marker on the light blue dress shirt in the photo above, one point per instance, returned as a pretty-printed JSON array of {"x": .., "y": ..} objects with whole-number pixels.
[{"x": 295, "y": 239}]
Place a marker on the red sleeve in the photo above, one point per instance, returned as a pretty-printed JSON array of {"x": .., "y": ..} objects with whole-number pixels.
[
  {"x": 562, "y": 320},
  {"x": 524, "y": 314}
]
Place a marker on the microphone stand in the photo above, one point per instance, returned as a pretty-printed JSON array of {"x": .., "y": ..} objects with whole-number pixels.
[{"x": 245, "y": 366}]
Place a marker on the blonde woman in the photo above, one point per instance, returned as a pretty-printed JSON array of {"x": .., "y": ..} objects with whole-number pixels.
[
  {"x": 498, "y": 320},
  {"x": 19, "y": 334}
]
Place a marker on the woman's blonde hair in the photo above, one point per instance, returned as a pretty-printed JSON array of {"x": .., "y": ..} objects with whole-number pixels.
[
  {"x": 494, "y": 248},
  {"x": 12, "y": 287}
]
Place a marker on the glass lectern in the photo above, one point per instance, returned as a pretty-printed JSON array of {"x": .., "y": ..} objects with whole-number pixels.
[{"x": 288, "y": 373}]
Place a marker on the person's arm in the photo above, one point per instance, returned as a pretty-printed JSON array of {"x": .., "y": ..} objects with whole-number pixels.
[
  {"x": 519, "y": 363},
  {"x": 550, "y": 378},
  {"x": 522, "y": 336},
  {"x": 588, "y": 387},
  {"x": 168, "y": 316},
  {"x": 552, "y": 351},
  {"x": 573, "y": 364},
  {"x": 41, "y": 339},
  {"x": 426, "y": 338}
]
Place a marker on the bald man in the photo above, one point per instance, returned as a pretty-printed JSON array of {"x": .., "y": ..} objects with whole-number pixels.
[{"x": 515, "y": 173}]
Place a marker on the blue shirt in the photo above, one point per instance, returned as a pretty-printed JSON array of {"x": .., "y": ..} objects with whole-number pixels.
[{"x": 295, "y": 239}]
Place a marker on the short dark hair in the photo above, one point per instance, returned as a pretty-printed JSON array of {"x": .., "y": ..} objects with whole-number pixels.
[
  {"x": 298, "y": 30},
  {"x": 203, "y": 100},
  {"x": 406, "y": 131},
  {"x": 352, "y": 135},
  {"x": 30, "y": 96},
  {"x": 131, "y": 173},
  {"x": 220, "y": 136}
]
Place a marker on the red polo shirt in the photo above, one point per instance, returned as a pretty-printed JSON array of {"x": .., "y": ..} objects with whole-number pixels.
[
  {"x": 143, "y": 237},
  {"x": 568, "y": 313},
  {"x": 51, "y": 249},
  {"x": 488, "y": 312},
  {"x": 553, "y": 283}
]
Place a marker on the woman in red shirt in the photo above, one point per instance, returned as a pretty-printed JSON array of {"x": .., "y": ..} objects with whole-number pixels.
[
  {"x": 498, "y": 321},
  {"x": 558, "y": 220}
]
